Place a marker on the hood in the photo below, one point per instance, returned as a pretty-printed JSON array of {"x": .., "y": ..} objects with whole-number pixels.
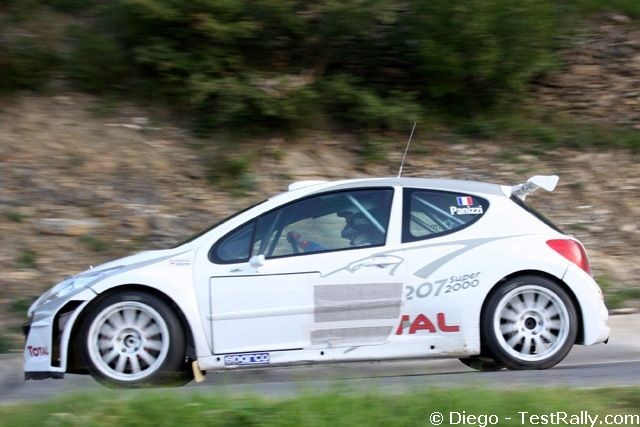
[
  {"x": 130, "y": 262},
  {"x": 90, "y": 277}
]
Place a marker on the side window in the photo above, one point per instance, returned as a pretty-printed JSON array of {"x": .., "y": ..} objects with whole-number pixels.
[
  {"x": 327, "y": 222},
  {"x": 235, "y": 246},
  {"x": 430, "y": 213}
]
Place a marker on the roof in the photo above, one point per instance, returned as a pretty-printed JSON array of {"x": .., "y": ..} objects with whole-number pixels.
[{"x": 436, "y": 184}]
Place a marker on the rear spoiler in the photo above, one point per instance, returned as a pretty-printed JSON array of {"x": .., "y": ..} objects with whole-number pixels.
[{"x": 548, "y": 182}]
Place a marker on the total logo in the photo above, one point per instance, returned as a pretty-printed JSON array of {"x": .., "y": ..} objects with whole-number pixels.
[
  {"x": 422, "y": 323},
  {"x": 37, "y": 351},
  {"x": 247, "y": 359}
]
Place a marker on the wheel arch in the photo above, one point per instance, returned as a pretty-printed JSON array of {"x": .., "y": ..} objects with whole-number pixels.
[
  {"x": 557, "y": 280},
  {"x": 74, "y": 360}
]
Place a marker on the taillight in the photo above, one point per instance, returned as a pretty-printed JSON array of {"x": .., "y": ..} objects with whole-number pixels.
[{"x": 571, "y": 250}]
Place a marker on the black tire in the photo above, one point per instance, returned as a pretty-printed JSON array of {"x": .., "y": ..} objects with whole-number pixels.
[
  {"x": 529, "y": 322},
  {"x": 483, "y": 363},
  {"x": 140, "y": 329}
]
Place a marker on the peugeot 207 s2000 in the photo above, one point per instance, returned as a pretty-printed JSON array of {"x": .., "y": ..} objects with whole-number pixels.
[{"x": 366, "y": 269}]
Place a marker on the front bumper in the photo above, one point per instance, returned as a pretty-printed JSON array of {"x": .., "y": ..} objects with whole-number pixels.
[
  {"x": 25, "y": 329},
  {"x": 47, "y": 336},
  {"x": 36, "y": 375},
  {"x": 43, "y": 375}
]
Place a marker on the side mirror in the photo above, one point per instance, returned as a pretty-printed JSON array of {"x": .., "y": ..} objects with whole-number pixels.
[{"x": 257, "y": 261}]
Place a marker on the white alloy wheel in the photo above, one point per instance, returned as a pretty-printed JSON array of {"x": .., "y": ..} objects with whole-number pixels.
[
  {"x": 128, "y": 341},
  {"x": 530, "y": 322}
]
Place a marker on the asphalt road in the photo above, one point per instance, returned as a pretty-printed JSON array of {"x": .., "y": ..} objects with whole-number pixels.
[{"x": 614, "y": 364}]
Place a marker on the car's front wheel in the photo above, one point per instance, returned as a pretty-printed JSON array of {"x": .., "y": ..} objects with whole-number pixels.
[
  {"x": 530, "y": 322},
  {"x": 134, "y": 339}
]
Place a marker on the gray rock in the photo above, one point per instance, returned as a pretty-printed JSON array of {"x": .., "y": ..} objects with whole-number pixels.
[{"x": 66, "y": 227}]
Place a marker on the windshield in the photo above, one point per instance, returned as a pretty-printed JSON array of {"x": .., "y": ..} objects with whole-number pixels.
[{"x": 205, "y": 231}]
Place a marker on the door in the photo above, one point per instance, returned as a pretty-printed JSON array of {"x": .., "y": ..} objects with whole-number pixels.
[
  {"x": 324, "y": 271},
  {"x": 445, "y": 275}
]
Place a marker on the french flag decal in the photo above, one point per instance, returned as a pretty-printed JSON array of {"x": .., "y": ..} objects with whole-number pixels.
[{"x": 465, "y": 201}]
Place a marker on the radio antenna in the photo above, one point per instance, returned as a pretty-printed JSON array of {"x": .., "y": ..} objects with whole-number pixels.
[{"x": 404, "y": 156}]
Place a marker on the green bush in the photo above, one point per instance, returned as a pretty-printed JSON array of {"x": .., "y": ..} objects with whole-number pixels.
[
  {"x": 95, "y": 244},
  {"x": 5, "y": 344},
  {"x": 616, "y": 297},
  {"x": 231, "y": 173},
  {"x": 27, "y": 259},
  {"x": 25, "y": 64},
  {"x": 472, "y": 55},
  {"x": 248, "y": 101},
  {"x": 13, "y": 216},
  {"x": 587, "y": 8},
  {"x": 268, "y": 63},
  {"x": 96, "y": 63},
  {"x": 21, "y": 306},
  {"x": 273, "y": 64},
  {"x": 357, "y": 106},
  {"x": 554, "y": 128}
]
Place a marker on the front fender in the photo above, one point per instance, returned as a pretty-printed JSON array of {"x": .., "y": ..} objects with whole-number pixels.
[{"x": 174, "y": 283}]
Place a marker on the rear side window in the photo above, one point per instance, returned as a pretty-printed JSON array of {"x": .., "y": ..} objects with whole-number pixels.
[{"x": 432, "y": 213}]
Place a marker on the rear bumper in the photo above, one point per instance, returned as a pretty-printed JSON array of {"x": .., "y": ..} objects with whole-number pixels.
[{"x": 595, "y": 316}]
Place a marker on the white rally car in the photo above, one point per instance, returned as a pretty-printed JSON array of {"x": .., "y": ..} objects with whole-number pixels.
[{"x": 366, "y": 269}]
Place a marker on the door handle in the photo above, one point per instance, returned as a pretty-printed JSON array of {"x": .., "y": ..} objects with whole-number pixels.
[{"x": 235, "y": 270}]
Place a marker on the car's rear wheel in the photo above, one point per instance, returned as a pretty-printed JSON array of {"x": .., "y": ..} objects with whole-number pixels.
[
  {"x": 530, "y": 322},
  {"x": 134, "y": 339},
  {"x": 483, "y": 363}
]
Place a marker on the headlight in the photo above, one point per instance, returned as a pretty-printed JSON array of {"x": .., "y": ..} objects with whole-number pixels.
[{"x": 70, "y": 285}]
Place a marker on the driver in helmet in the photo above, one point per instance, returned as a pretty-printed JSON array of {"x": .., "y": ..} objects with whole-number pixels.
[{"x": 359, "y": 229}]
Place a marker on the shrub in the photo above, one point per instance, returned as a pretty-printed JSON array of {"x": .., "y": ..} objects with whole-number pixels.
[
  {"x": 231, "y": 173},
  {"x": 27, "y": 259},
  {"x": 25, "y": 64},
  {"x": 267, "y": 63},
  {"x": 374, "y": 63},
  {"x": 96, "y": 63},
  {"x": 472, "y": 55},
  {"x": 95, "y": 244},
  {"x": 13, "y": 216},
  {"x": 361, "y": 107},
  {"x": 5, "y": 344}
]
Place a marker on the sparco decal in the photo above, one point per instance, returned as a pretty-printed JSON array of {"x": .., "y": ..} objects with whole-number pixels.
[
  {"x": 423, "y": 323},
  {"x": 38, "y": 351},
  {"x": 247, "y": 359}
]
